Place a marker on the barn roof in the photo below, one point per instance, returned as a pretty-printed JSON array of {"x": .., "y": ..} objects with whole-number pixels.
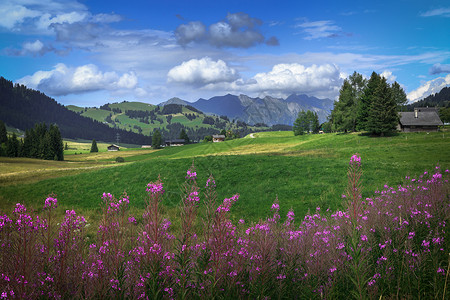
[{"x": 425, "y": 117}]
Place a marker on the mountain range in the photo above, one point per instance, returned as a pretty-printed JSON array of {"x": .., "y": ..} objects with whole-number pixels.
[{"x": 267, "y": 110}]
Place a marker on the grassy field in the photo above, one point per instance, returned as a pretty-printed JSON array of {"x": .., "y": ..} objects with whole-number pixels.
[{"x": 303, "y": 172}]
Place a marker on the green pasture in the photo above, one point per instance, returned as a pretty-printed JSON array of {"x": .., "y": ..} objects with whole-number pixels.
[{"x": 302, "y": 171}]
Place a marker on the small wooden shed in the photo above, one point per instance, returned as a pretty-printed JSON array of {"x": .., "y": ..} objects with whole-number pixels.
[
  {"x": 175, "y": 142},
  {"x": 113, "y": 148},
  {"x": 218, "y": 138}
]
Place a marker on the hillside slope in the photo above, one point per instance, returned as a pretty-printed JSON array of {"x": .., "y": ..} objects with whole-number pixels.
[{"x": 22, "y": 108}]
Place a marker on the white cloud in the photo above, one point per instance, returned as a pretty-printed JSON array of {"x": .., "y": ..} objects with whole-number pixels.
[
  {"x": 430, "y": 87},
  {"x": 388, "y": 75},
  {"x": 444, "y": 12},
  {"x": 12, "y": 15},
  {"x": 319, "y": 80},
  {"x": 202, "y": 72},
  {"x": 319, "y": 29},
  {"x": 63, "y": 80}
]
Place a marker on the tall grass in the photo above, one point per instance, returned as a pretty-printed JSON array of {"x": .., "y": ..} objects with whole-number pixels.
[{"x": 392, "y": 244}]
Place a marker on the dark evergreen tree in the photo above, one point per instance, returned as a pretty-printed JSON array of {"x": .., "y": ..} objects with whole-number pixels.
[
  {"x": 383, "y": 114},
  {"x": 12, "y": 146},
  {"x": 94, "y": 147},
  {"x": 399, "y": 95},
  {"x": 344, "y": 114},
  {"x": 3, "y": 133},
  {"x": 312, "y": 122},
  {"x": 301, "y": 124},
  {"x": 368, "y": 97},
  {"x": 156, "y": 139},
  {"x": 184, "y": 136},
  {"x": 56, "y": 143}
]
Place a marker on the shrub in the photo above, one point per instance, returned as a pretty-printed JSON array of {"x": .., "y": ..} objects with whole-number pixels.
[
  {"x": 393, "y": 245},
  {"x": 120, "y": 159}
]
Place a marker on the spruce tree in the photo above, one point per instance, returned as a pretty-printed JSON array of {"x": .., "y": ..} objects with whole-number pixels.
[
  {"x": 94, "y": 147},
  {"x": 344, "y": 114},
  {"x": 56, "y": 143},
  {"x": 156, "y": 139},
  {"x": 184, "y": 136},
  {"x": 300, "y": 124},
  {"x": 367, "y": 98},
  {"x": 3, "y": 133},
  {"x": 383, "y": 114}
]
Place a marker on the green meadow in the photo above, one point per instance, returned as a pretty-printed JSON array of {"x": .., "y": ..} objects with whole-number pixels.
[{"x": 303, "y": 172}]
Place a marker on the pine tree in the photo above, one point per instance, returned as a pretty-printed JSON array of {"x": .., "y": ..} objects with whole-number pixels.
[
  {"x": 56, "y": 143},
  {"x": 183, "y": 135},
  {"x": 94, "y": 147},
  {"x": 367, "y": 99},
  {"x": 399, "y": 95},
  {"x": 383, "y": 114},
  {"x": 344, "y": 114},
  {"x": 3, "y": 133},
  {"x": 156, "y": 139},
  {"x": 12, "y": 146},
  {"x": 300, "y": 124}
]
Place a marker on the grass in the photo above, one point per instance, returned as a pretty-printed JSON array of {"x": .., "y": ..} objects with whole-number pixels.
[{"x": 303, "y": 172}]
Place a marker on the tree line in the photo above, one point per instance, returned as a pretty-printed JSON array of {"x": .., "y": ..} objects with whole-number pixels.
[
  {"x": 38, "y": 142},
  {"x": 370, "y": 105}
]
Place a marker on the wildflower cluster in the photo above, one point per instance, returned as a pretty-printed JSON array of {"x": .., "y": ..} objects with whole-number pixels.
[{"x": 394, "y": 244}]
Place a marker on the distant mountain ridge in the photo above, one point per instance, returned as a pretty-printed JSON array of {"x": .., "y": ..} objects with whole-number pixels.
[{"x": 267, "y": 110}]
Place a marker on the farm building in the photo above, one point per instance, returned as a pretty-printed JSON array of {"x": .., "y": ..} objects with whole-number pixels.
[
  {"x": 421, "y": 119},
  {"x": 218, "y": 138},
  {"x": 113, "y": 148},
  {"x": 175, "y": 142}
]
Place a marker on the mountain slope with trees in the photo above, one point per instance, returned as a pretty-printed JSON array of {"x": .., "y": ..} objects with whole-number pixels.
[
  {"x": 440, "y": 100},
  {"x": 22, "y": 108}
]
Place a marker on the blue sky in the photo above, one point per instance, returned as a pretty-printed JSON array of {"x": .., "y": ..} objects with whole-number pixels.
[{"x": 88, "y": 53}]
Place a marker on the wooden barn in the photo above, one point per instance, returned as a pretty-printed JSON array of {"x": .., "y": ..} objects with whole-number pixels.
[
  {"x": 113, "y": 148},
  {"x": 421, "y": 119},
  {"x": 218, "y": 138},
  {"x": 175, "y": 142}
]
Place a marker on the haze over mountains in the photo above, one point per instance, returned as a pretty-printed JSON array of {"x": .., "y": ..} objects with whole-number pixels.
[{"x": 267, "y": 110}]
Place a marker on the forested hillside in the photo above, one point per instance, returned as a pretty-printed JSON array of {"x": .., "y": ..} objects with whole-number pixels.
[
  {"x": 22, "y": 108},
  {"x": 170, "y": 119},
  {"x": 440, "y": 100}
]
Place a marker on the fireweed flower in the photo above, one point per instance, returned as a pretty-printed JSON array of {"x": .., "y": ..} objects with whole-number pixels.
[
  {"x": 210, "y": 182},
  {"x": 191, "y": 174},
  {"x": 155, "y": 188},
  {"x": 193, "y": 197},
  {"x": 50, "y": 203},
  {"x": 355, "y": 160}
]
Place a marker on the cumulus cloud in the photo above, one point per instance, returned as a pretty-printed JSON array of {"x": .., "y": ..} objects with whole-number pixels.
[
  {"x": 238, "y": 30},
  {"x": 202, "y": 72},
  {"x": 319, "y": 29},
  {"x": 428, "y": 88},
  {"x": 388, "y": 75},
  {"x": 442, "y": 12},
  {"x": 438, "y": 69},
  {"x": 321, "y": 80},
  {"x": 64, "y": 80}
]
